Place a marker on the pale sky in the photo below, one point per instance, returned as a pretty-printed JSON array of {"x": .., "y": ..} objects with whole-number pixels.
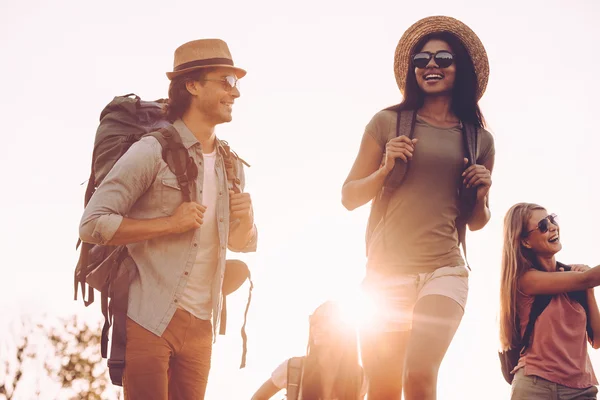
[{"x": 317, "y": 72}]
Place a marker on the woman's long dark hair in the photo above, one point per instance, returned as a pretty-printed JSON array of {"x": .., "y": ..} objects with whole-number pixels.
[
  {"x": 464, "y": 93},
  {"x": 348, "y": 380}
]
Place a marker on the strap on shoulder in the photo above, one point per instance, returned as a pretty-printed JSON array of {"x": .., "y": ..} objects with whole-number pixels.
[
  {"x": 470, "y": 134},
  {"x": 539, "y": 305},
  {"x": 230, "y": 159},
  {"x": 176, "y": 156},
  {"x": 295, "y": 369},
  {"x": 405, "y": 125},
  {"x": 471, "y": 142}
]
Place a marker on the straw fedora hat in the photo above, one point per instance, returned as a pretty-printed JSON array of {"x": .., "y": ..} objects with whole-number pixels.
[
  {"x": 203, "y": 53},
  {"x": 439, "y": 24}
]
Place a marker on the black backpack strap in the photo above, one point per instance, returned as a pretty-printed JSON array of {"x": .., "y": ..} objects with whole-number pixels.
[
  {"x": 295, "y": 369},
  {"x": 80, "y": 274},
  {"x": 118, "y": 291},
  {"x": 580, "y": 296},
  {"x": 176, "y": 156},
  {"x": 405, "y": 125},
  {"x": 468, "y": 197},
  {"x": 539, "y": 305}
]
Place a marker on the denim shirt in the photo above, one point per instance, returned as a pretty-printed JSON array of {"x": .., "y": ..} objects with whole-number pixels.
[{"x": 141, "y": 186}]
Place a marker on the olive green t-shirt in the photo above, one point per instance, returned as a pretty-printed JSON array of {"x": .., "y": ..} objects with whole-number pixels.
[{"x": 418, "y": 233}]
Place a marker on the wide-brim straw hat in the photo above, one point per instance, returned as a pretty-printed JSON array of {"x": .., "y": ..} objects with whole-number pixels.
[
  {"x": 203, "y": 53},
  {"x": 439, "y": 24}
]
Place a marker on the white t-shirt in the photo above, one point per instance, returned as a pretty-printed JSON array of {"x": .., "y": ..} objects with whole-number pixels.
[
  {"x": 197, "y": 297},
  {"x": 279, "y": 378}
]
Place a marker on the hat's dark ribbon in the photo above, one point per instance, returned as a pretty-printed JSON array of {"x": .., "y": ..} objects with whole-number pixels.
[{"x": 203, "y": 63}]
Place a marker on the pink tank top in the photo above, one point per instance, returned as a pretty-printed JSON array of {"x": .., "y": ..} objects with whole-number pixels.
[{"x": 558, "y": 350}]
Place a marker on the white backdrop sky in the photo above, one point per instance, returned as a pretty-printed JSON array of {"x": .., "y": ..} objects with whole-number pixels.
[{"x": 317, "y": 72}]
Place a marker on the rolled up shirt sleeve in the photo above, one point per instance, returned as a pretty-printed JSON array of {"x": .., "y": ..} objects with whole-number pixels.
[
  {"x": 126, "y": 182},
  {"x": 234, "y": 224},
  {"x": 252, "y": 241}
]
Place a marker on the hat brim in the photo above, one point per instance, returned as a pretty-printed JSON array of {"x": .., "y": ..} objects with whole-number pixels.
[
  {"x": 439, "y": 24},
  {"x": 236, "y": 273},
  {"x": 240, "y": 73}
]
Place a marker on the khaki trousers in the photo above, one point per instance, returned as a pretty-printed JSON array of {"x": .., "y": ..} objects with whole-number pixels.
[{"x": 170, "y": 367}]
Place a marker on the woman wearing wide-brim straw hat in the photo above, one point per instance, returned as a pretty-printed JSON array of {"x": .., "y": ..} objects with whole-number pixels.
[{"x": 428, "y": 180}]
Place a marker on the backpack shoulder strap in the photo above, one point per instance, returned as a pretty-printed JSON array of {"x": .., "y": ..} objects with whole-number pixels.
[
  {"x": 470, "y": 135},
  {"x": 176, "y": 156},
  {"x": 231, "y": 160},
  {"x": 539, "y": 305},
  {"x": 580, "y": 296},
  {"x": 295, "y": 369},
  {"x": 405, "y": 125}
]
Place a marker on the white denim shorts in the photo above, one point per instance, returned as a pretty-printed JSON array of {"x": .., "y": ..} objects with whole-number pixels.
[{"x": 394, "y": 297}]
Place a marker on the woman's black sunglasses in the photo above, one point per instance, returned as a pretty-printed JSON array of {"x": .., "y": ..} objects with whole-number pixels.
[
  {"x": 543, "y": 226},
  {"x": 442, "y": 58}
]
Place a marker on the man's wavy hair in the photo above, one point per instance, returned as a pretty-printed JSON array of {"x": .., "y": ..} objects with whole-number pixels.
[{"x": 179, "y": 97}]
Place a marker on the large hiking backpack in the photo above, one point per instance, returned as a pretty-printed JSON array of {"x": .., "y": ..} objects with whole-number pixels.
[
  {"x": 405, "y": 125},
  {"x": 124, "y": 121},
  {"x": 510, "y": 358}
]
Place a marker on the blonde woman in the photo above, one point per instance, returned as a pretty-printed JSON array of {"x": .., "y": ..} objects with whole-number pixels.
[{"x": 553, "y": 363}]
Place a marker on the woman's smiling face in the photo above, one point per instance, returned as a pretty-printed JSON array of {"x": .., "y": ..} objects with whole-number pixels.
[{"x": 433, "y": 79}]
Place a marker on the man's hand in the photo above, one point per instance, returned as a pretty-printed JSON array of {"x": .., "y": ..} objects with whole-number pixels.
[
  {"x": 480, "y": 176},
  {"x": 399, "y": 147},
  {"x": 187, "y": 216},
  {"x": 240, "y": 207}
]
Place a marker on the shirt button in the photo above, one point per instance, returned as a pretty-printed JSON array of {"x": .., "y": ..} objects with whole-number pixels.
[
  {"x": 223, "y": 247},
  {"x": 175, "y": 301},
  {"x": 220, "y": 193},
  {"x": 195, "y": 244},
  {"x": 221, "y": 219},
  {"x": 186, "y": 273}
]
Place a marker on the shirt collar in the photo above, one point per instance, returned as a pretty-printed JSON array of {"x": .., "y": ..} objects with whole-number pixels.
[{"x": 188, "y": 139}]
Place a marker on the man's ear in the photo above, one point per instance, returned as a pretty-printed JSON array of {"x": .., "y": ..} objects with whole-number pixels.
[{"x": 192, "y": 87}]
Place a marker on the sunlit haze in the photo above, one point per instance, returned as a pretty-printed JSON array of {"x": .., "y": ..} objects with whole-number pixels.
[{"x": 317, "y": 72}]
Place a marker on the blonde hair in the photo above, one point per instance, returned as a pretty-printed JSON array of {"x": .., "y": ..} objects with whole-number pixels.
[{"x": 516, "y": 260}]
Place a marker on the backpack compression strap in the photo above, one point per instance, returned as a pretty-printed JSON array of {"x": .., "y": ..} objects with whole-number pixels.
[{"x": 295, "y": 372}]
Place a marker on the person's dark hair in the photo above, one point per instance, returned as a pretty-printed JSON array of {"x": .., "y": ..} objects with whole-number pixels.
[
  {"x": 179, "y": 98},
  {"x": 348, "y": 380},
  {"x": 464, "y": 93}
]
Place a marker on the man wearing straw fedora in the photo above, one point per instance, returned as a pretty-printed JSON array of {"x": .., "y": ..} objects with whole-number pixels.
[
  {"x": 178, "y": 246},
  {"x": 426, "y": 163}
]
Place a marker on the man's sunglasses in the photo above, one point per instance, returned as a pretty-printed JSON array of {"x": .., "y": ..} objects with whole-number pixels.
[
  {"x": 442, "y": 58},
  {"x": 229, "y": 82},
  {"x": 543, "y": 226}
]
